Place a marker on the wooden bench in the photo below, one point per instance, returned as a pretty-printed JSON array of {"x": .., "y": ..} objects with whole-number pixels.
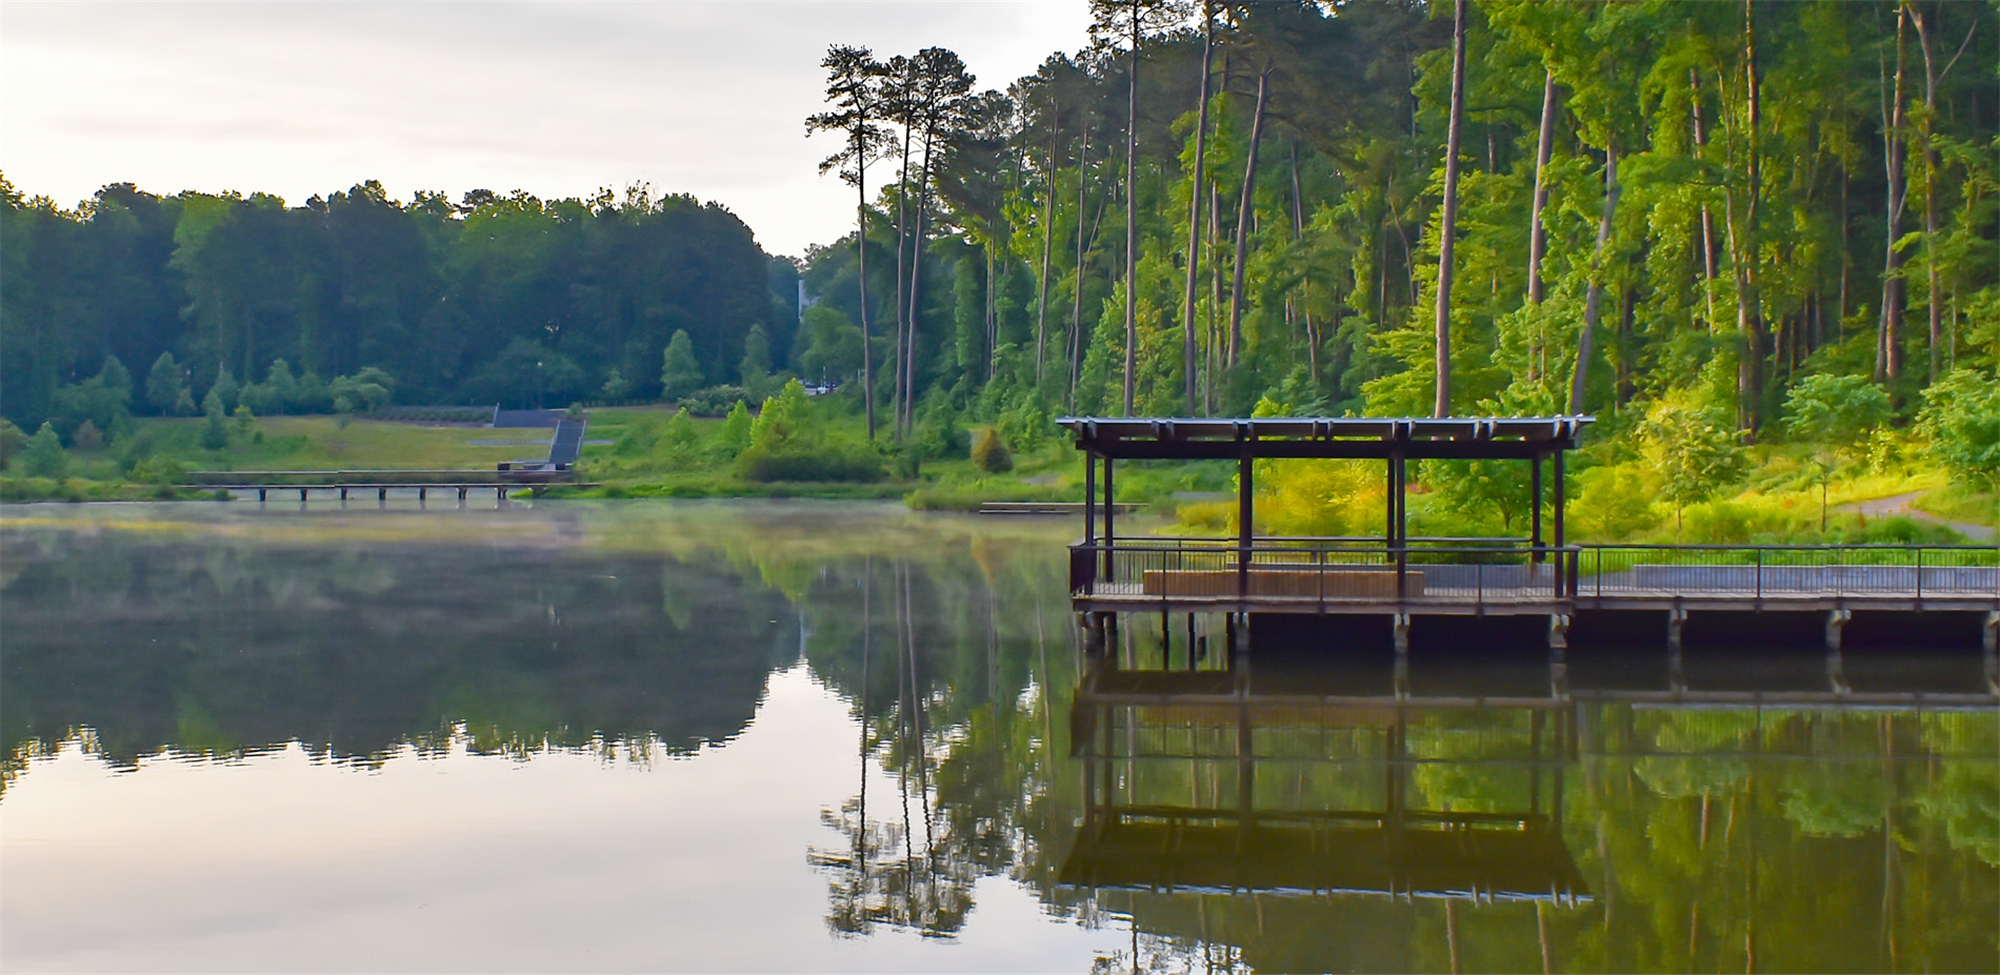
[{"x": 1343, "y": 582}]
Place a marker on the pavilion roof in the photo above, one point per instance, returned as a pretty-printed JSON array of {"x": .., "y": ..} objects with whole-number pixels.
[{"x": 1326, "y": 437}]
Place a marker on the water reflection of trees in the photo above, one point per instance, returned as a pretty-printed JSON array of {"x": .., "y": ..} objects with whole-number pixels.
[
  {"x": 224, "y": 647},
  {"x": 1784, "y": 836}
]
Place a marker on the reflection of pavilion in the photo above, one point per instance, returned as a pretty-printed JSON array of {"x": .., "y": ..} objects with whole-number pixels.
[{"x": 1203, "y": 781}]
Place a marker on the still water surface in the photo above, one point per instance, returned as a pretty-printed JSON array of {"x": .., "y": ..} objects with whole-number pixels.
[{"x": 801, "y": 736}]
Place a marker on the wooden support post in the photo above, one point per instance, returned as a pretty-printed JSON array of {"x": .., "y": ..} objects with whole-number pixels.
[
  {"x": 1991, "y": 640},
  {"x": 1535, "y": 515},
  {"x": 1559, "y": 631},
  {"x": 1089, "y": 497},
  {"x": 1400, "y": 631},
  {"x": 1835, "y": 620},
  {"x": 1246, "y": 519},
  {"x": 1564, "y": 567},
  {"x": 461, "y": 494},
  {"x": 1110, "y": 525},
  {"x": 1389, "y": 509},
  {"x": 260, "y": 495},
  {"x": 1402, "y": 529},
  {"x": 1676, "y": 618},
  {"x": 302, "y": 495},
  {"x": 343, "y": 493}
]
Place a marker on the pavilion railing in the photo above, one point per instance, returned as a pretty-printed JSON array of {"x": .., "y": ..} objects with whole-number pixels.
[
  {"x": 1323, "y": 570},
  {"x": 1479, "y": 571}
]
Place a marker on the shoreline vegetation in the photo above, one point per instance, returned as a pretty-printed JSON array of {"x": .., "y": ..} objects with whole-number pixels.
[{"x": 1887, "y": 488}]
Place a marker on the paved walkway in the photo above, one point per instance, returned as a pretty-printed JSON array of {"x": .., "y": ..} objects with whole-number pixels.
[{"x": 1897, "y": 505}]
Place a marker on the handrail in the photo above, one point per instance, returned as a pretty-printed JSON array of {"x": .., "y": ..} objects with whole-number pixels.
[{"x": 1478, "y": 573}]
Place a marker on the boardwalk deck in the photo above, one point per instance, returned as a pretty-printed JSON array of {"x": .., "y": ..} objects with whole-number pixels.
[{"x": 1399, "y": 576}]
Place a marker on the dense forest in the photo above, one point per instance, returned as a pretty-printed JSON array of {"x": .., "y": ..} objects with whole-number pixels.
[
  {"x": 1629, "y": 209},
  {"x": 1403, "y": 208},
  {"x": 493, "y": 299}
]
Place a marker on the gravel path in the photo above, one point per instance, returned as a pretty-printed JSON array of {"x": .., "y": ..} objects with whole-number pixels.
[{"x": 1899, "y": 504}]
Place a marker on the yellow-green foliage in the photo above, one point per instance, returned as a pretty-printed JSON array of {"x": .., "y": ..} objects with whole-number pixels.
[
  {"x": 1612, "y": 503},
  {"x": 1301, "y": 497}
]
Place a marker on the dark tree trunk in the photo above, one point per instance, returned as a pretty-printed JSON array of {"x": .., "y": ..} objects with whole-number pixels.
[
  {"x": 1194, "y": 203},
  {"x": 1048, "y": 244},
  {"x": 1448, "y": 224},
  {"x": 1594, "y": 298},
  {"x": 1538, "y": 238},
  {"x": 1243, "y": 212}
]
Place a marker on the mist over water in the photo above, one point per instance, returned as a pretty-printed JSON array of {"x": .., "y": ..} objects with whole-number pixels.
[{"x": 830, "y": 736}]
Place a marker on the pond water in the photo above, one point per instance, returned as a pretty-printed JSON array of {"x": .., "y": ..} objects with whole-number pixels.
[{"x": 836, "y": 736}]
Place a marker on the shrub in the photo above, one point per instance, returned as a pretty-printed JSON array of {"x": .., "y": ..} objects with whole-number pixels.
[
  {"x": 157, "y": 469},
  {"x": 713, "y": 401},
  {"x": 680, "y": 444},
  {"x": 937, "y": 432},
  {"x": 42, "y": 455},
  {"x": 214, "y": 433},
  {"x": 245, "y": 421},
  {"x": 989, "y": 451},
  {"x": 87, "y": 437},
  {"x": 11, "y": 439},
  {"x": 1839, "y": 409},
  {"x": 1961, "y": 417},
  {"x": 797, "y": 462},
  {"x": 735, "y": 431}
]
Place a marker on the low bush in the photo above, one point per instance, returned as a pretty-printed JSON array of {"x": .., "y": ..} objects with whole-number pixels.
[
  {"x": 827, "y": 462},
  {"x": 713, "y": 401},
  {"x": 989, "y": 451}
]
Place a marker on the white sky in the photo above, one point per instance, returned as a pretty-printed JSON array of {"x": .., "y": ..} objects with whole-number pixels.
[{"x": 556, "y": 99}]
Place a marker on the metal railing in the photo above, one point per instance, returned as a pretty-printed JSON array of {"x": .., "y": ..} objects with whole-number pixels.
[
  {"x": 1789, "y": 571},
  {"x": 1319, "y": 571},
  {"x": 1323, "y": 570}
]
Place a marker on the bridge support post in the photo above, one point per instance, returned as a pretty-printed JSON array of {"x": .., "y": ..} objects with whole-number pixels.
[
  {"x": 1402, "y": 672},
  {"x": 1992, "y": 642},
  {"x": 1836, "y": 620},
  {"x": 343, "y": 494},
  {"x": 1676, "y": 618},
  {"x": 1559, "y": 631}
]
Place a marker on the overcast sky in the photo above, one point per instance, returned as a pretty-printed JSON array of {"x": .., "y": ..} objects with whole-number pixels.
[{"x": 557, "y": 99}]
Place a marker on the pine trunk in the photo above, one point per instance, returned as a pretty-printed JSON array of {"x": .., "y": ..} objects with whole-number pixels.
[
  {"x": 1448, "y": 224},
  {"x": 1243, "y": 211}
]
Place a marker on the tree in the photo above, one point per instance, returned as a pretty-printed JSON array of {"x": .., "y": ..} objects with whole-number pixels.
[
  {"x": 756, "y": 365},
  {"x": 1961, "y": 417},
  {"x": 1839, "y": 409},
  {"x": 680, "y": 374},
  {"x": 735, "y": 435},
  {"x": 1691, "y": 445},
  {"x": 681, "y": 442},
  {"x": 42, "y": 455},
  {"x": 166, "y": 385},
  {"x": 852, "y": 85},
  {"x": 214, "y": 432},
  {"x": 224, "y": 388},
  {"x": 11, "y": 439}
]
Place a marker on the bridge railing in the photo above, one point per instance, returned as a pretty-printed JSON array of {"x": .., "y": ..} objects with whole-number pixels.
[
  {"x": 1478, "y": 571},
  {"x": 1778, "y": 571}
]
